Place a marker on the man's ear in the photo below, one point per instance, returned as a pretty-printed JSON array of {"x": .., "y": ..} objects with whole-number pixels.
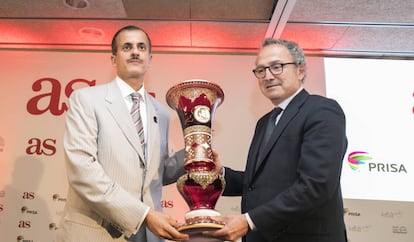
[
  {"x": 113, "y": 60},
  {"x": 302, "y": 72}
]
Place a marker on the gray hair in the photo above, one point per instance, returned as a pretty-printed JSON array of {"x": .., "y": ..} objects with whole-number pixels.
[{"x": 293, "y": 48}]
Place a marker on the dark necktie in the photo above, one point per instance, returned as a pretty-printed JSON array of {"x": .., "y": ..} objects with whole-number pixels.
[{"x": 271, "y": 124}]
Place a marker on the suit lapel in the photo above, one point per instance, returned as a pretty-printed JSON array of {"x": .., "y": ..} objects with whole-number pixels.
[
  {"x": 256, "y": 145},
  {"x": 119, "y": 112},
  {"x": 288, "y": 114},
  {"x": 153, "y": 135}
]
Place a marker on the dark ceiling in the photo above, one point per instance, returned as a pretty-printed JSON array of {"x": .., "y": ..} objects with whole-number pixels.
[{"x": 358, "y": 28}]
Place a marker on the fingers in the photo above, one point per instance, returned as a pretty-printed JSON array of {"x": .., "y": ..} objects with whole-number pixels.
[
  {"x": 235, "y": 227},
  {"x": 173, "y": 234},
  {"x": 162, "y": 225},
  {"x": 215, "y": 155},
  {"x": 216, "y": 160},
  {"x": 177, "y": 236},
  {"x": 221, "y": 234},
  {"x": 220, "y": 219}
]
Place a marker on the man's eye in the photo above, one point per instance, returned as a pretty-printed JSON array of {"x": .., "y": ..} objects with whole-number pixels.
[
  {"x": 127, "y": 47},
  {"x": 142, "y": 47},
  {"x": 260, "y": 70},
  {"x": 275, "y": 67}
]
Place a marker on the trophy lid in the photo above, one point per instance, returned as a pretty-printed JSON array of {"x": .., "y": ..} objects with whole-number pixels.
[{"x": 191, "y": 89}]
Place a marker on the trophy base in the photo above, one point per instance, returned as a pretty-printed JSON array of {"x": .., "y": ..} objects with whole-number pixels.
[
  {"x": 198, "y": 221},
  {"x": 195, "y": 231}
]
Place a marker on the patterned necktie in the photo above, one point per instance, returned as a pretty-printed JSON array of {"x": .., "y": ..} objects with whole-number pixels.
[{"x": 136, "y": 116}]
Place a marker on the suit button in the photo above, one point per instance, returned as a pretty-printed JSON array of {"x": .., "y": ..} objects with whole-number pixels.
[{"x": 251, "y": 188}]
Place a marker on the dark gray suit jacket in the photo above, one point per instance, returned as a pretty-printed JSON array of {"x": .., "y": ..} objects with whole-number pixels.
[{"x": 292, "y": 193}]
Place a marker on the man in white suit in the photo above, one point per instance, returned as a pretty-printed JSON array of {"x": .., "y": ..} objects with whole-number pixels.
[{"x": 115, "y": 183}]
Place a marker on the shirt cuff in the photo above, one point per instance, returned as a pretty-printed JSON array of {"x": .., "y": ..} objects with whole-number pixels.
[
  {"x": 222, "y": 171},
  {"x": 250, "y": 222},
  {"x": 142, "y": 221}
]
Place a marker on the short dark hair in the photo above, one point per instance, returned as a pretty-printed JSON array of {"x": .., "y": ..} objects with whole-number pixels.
[{"x": 128, "y": 28}]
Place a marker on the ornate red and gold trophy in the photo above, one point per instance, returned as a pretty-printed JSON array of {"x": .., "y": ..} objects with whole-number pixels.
[{"x": 195, "y": 101}]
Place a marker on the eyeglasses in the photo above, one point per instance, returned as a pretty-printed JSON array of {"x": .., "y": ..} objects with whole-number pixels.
[{"x": 275, "y": 69}]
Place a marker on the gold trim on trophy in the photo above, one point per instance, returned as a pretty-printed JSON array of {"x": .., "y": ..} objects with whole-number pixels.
[{"x": 195, "y": 102}]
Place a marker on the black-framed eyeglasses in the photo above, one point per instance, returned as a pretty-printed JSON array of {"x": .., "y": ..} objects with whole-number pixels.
[{"x": 275, "y": 69}]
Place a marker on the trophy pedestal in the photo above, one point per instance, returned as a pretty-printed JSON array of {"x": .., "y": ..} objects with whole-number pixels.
[
  {"x": 196, "y": 233},
  {"x": 201, "y": 218},
  {"x": 199, "y": 221}
]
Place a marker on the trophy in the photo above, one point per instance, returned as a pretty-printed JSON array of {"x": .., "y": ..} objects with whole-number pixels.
[{"x": 195, "y": 101}]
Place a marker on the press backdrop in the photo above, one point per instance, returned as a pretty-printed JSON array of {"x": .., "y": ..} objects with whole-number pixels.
[{"x": 34, "y": 91}]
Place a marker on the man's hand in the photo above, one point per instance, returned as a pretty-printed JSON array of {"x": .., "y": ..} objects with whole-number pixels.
[
  {"x": 217, "y": 161},
  {"x": 162, "y": 225},
  {"x": 235, "y": 228}
]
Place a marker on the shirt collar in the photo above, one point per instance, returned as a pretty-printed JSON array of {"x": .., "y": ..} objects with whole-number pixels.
[
  {"x": 126, "y": 89},
  {"x": 286, "y": 102}
]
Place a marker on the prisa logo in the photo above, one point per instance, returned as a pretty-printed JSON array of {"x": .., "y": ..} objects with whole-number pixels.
[
  {"x": 387, "y": 167},
  {"x": 358, "y": 159}
]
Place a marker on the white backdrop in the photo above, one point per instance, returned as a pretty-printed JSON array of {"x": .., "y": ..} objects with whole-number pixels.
[
  {"x": 378, "y": 170},
  {"x": 34, "y": 92},
  {"x": 378, "y": 96}
]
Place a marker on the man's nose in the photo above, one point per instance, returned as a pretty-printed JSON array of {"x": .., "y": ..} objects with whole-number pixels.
[
  {"x": 268, "y": 72},
  {"x": 135, "y": 50}
]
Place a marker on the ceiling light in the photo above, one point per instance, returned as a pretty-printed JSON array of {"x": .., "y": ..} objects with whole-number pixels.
[
  {"x": 76, "y": 3},
  {"x": 91, "y": 33}
]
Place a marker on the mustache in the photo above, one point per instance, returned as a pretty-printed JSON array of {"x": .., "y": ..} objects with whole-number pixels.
[{"x": 134, "y": 58}]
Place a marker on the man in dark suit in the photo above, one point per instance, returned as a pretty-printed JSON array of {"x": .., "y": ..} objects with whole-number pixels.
[{"x": 291, "y": 186}]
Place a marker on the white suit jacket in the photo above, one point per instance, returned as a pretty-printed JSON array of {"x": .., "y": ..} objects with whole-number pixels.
[{"x": 105, "y": 168}]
